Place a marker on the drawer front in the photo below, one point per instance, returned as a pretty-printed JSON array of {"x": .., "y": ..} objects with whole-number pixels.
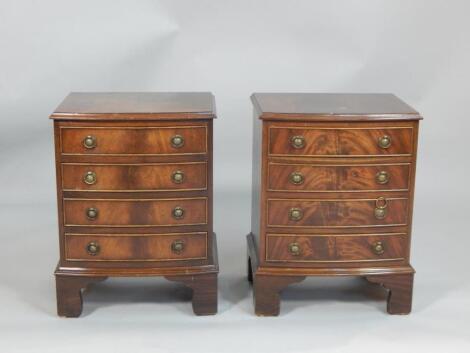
[
  {"x": 293, "y": 248},
  {"x": 319, "y": 178},
  {"x": 135, "y": 213},
  {"x": 134, "y": 177},
  {"x": 134, "y": 140},
  {"x": 138, "y": 247},
  {"x": 337, "y": 213},
  {"x": 340, "y": 142}
]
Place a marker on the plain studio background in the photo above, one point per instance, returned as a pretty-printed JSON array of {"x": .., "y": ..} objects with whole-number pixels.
[{"x": 419, "y": 50}]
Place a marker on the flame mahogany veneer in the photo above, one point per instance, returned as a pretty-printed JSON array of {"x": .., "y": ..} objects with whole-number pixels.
[
  {"x": 134, "y": 191},
  {"x": 333, "y": 185}
]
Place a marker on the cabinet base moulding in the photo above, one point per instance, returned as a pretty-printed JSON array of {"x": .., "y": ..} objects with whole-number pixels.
[
  {"x": 70, "y": 283},
  {"x": 268, "y": 282}
]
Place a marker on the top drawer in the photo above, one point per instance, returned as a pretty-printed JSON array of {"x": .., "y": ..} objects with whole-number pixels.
[
  {"x": 332, "y": 142},
  {"x": 134, "y": 140}
]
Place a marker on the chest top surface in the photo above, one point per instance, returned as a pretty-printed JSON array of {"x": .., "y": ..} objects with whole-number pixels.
[
  {"x": 136, "y": 105},
  {"x": 332, "y": 106}
]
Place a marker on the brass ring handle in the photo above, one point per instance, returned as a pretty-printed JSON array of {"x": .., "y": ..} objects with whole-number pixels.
[
  {"x": 380, "y": 211},
  {"x": 178, "y": 212},
  {"x": 177, "y": 141},
  {"x": 378, "y": 248},
  {"x": 294, "y": 249},
  {"x": 382, "y": 177},
  {"x": 89, "y": 142},
  {"x": 89, "y": 178},
  {"x": 295, "y": 214},
  {"x": 296, "y": 178},
  {"x": 381, "y": 202},
  {"x": 385, "y": 141},
  {"x": 91, "y": 213},
  {"x": 177, "y": 177},
  {"x": 93, "y": 248},
  {"x": 297, "y": 141},
  {"x": 177, "y": 246}
]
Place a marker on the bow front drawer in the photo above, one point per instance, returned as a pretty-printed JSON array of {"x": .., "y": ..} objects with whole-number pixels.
[
  {"x": 303, "y": 141},
  {"x": 135, "y": 213},
  {"x": 134, "y": 177},
  {"x": 136, "y": 247},
  {"x": 299, "y": 248},
  {"x": 318, "y": 178},
  {"x": 134, "y": 140},
  {"x": 338, "y": 213}
]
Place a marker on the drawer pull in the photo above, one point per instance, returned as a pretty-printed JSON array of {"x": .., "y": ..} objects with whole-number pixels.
[
  {"x": 295, "y": 214},
  {"x": 93, "y": 248},
  {"x": 297, "y": 141},
  {"x": 385, "y": 141},
  {"x": 294, "y": 249},
  {"x": 177, "y": 246},
  {"x": 89, "y": 142},
  {"x": 296, "y": 178},
  {"x": 91, "y": 213},
  {"x": 378, "y": 248},
  {"x": 177, "y": 177},
  {"x": 178, "y": 212},
  {"x": 380, "y": 211},
  {"x": 177, "y": 141},
  {"x": 89, "y": 178},
  {"x": 382, "y": 177}
]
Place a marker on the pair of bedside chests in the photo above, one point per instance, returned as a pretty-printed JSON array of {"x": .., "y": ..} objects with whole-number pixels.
[{"x": 333, "y": 183}]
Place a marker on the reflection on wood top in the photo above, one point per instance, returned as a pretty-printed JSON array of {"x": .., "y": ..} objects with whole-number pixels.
[
  {"x": 136, "y": 106},
  {"x": 332, "y": 106}
]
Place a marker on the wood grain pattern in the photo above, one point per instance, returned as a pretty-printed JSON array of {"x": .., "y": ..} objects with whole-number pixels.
[
  {"x": 69, "y": 293},
  {"x": 335, "y": 248},
  {"x": 314, "y": 107},
  {"x": 131, "y": 106},
  {"x": 134, "y": 141},
  {"x": 135, "y": 213},
  {"x": 139, "y": 177},
  {"x": 267, "y": 292},
  {"x": 400, "y": 295},
  {"x": 340, "y": 142},
  {"x": 204, "y": 287},
  {"x": 135, "y": 247},
  {"x": 134, "y": 159},
  {"x": 336, "y": 213},
  {"x": 331, "y": 213},
  {"x": 319, "y": 177}
]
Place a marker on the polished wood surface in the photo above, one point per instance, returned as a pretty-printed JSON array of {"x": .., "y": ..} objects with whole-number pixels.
[
  {"x": 135, "y": 212},
  {"x": 269, "y": 282},
  {"x": 333, "y": 187},
  {"x": 267, "y": 290},
  {"x": 135, "y": 177},
  {"x": 134, "y": 191},
  {"x": 400, "y": 289},
  {"x": 204, "y": 288},
  {"x": 332, "y": 250},
  {"x": 356, "y": 106},
  {"x": 320, "y": 177},
  {"x": 69, "y": 293},
  {"x": 136, "y": 247},
  {"x": 148, "y": 140},
  {"x": 136, "y": 105},
  {"x": 336, "y": 213},
  {"x": 340, "y": 141}
]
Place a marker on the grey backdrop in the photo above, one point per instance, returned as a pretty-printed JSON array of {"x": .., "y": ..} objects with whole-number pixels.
[{"x": 418, "y": 50}]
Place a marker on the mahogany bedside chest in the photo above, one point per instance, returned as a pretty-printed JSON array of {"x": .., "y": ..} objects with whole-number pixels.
[
  {"x": 333, "y": 182},
  {"x": 134, "y": 189}
]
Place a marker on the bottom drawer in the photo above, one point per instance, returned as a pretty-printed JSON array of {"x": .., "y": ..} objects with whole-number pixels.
[
  {"x": 136, "y": 247},
  {"x": 350, "y": 248}
]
